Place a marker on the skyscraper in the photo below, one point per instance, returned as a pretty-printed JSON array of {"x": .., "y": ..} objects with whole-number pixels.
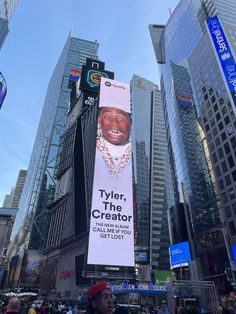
[
  {"x": 31, "y": 225},
  {"x": 185, "y": 46},
  {"x": 7, "y": 7},
  {"x": 18, "y": 189},
  {"x": 151, "y": 171}
]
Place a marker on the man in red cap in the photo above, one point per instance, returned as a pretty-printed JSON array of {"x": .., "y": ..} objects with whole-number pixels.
[{"x": 100, "y": 299}]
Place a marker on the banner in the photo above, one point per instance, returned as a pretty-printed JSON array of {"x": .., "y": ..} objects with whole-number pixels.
[
  {"x": 224, "y": 53},
  {"x": 111, "y": 237},
  {"x": 31, "y": 268}
]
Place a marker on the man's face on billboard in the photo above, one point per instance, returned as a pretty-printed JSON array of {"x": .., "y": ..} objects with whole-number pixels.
[{"x": 115, "y": 125}]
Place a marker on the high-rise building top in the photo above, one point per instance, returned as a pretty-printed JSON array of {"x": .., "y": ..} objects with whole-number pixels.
[
  {"x": 18, "y": 189},
  {"x": 32, "y": 221},
  {"x": 7, "y": 7}
]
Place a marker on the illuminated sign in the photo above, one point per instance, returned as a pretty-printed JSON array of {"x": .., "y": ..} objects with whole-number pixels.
[
  {"x": 91, "y": 77},
  {"x": 234, "y": 253},
  {"x": 179, "y": 255},
  {"x": 111, "y": 236},
  {"x": 141, "y": 257},
  {"x": 185, "y": 100},
  {"x": 3, "y": 89},
  {"x": 224, "y": 54},
  {"x": 144, "y": 288}
]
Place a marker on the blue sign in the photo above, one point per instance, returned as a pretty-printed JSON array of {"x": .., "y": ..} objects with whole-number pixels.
[
  {"x": 224, "y": 54},
  {"x": 3, "y": 89},
  {"x": 234, "y": 253},
  {"x": 179, "y": 255}
]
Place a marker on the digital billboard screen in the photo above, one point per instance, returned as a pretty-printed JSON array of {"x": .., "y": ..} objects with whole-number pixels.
[
  {"x": 91, "y": 77},
  {"x": 179, "y": 254},
  {"x": 111, "y": 236},
  {"x": 234, "y": 253},
  {"x": 141, "y": 257},
  {"x": 224, "y": 53},
  {"x": 31, "y": 268}
]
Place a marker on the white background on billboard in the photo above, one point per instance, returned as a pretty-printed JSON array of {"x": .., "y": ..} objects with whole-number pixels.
[{"x": 111, "y": 241}]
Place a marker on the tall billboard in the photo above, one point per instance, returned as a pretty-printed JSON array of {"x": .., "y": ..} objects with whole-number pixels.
[
  {"x": 31, "y": 268},
  {"x": 179, "y": 255},
  {"x": 225, "y": 55},
  {"x": 111, "y": 236}
]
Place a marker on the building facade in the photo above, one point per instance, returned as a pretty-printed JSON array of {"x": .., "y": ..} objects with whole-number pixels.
[
  {"x": 151, "y": 174},
  {"x": 31, "y": 225},
  {"x": 208, "y": 91}
]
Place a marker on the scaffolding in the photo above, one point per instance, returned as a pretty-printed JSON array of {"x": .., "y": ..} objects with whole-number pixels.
[{"x": 205, "y": 294}]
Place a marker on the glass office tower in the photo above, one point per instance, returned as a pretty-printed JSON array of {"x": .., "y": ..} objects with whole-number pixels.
[
  {"x": 7, "y": 7},
  {"x": 150, "y": 173},
  {"x": 31, "y": 225},
  {"x": 185, "y": 41}
]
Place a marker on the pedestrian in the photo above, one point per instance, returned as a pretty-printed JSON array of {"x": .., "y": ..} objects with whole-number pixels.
[
  {"x": 69, "y": 310},
  {"x": 13, "y": 306},
  {"x": 32, "y": 309},
  {"x": 100, "y": 299},
  {"x": 163, "y": 309},
  {"x": 75, "y": 309}
]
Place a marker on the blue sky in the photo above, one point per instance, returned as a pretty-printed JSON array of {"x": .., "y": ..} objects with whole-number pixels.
[{"x": 38, "y": 31}]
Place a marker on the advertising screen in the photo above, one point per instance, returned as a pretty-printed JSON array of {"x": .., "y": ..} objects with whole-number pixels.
[
  {"x": 111, "y": 237},
  {"x": 3, "y": 89},
  {"x": 31, "y": 268},
  {"x": 234, "y": 253},
  {"x": 141, "y": 257},
  {"x": 224, "y": 53},
  {"x": 91, "y": 77},
  {"x": 179, "y": 255}
]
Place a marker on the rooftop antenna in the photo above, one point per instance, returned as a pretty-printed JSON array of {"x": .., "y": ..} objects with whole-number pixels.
[{"x": 170, "y": 11}]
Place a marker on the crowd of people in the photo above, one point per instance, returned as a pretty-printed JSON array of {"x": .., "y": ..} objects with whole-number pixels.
[{"x": 100, "y": 301}]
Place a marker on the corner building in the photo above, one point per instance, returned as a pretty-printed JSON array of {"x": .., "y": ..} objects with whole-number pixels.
[
  {"x": 32, "y": 221},
  {"x": 186, "y": 42}
]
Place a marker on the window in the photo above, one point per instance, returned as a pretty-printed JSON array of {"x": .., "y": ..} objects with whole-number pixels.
[
  {"x": 214, "y": 157},
  {"x": 218, "y": 172},
  {"x": 224, "y": 197},
  {"x": 223, "y": 136},
  {"x": 214, "y": 131},
  {"x": 212, "y": 122},
  {"x": 218, "y": 116},
  {"x": 217, "y": 141},
  {"x": 228, "y": 180},
  {"x": 207, "y": 127},
  {"x": 224, "y": 166},
  {"x": 227, "y": 212},
  {"x": 231, "y": 194},
  {"x": 232, "y": 228},
  {"x": 234, "y": 175},
  {"x": 220, "y": 125},
  {"x": 233, "y": 142},
  {"x": 234, "y": 208},
  {"x": 227, "y": 149},
  {"x": 220, "y": 153},
  {"x": 231, "y": 161},
  {"x": 221, "y": 184},
  {"x": 215, "y": 107},
  {"x": 213, "y": 99},
  {"x": 226, "y": 120}
]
